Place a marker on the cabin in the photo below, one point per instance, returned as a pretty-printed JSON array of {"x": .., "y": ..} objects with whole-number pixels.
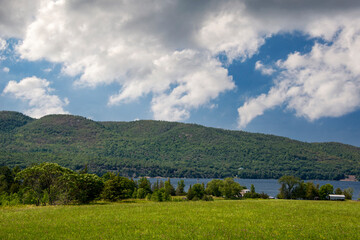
[
  {"x": 244, "y": 191},
  {"x": 337, "y": 197}
]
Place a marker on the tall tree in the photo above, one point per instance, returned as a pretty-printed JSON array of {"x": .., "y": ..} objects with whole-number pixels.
[
  {"x": 196, "y": 192},
  {"x": 44, "y": 179},
  {"x": 180, "y": 189},
  {"x": 312, "y": 191},
  {"x": 325, "y": 190},
  {"x": 288, "y": 186},
  {"x": 213, "y": 187},
  {"x": 169, "y": 188},
  {"x": 231, "y": 189}
]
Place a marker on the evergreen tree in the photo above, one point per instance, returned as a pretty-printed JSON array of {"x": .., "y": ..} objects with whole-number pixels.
[
  {"x": 196, "y": 192},
  {"x": 180, "y": 189},
  {"x": 169, "y": 189}
]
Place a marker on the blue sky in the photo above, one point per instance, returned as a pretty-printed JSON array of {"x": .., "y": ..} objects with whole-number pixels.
[{"x": 277, "y": 67}]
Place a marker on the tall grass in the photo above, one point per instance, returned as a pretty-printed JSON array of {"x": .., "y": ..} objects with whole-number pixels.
[{"x": 250, "y": 219}]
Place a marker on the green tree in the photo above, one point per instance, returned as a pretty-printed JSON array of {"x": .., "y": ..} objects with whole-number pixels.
[
  {"x": 169, "y": 189},
  {"x": 82, "y": 188},
  {"x": 141, "y": 193},
  {"x": 254, "y": 194},
  {"x": 348, "y": 192},
  {"x": 312, "y": 191},
  {"x": 325, "y": 190},
  {"x": 196, "y": 192},
  {"x": 118, "y": 188},
  {"x": 338, "y": 191},
  {"x": 8, "y": 183},
  {"x": 231, "y": 189},
  {"x": 44, "y": 179},
  {"x": 107, "y": 176},
  {"x": 288, "y": 186},
  {"x": 180, "y": 189},
  {"x": 145, "y": 184},
  {"x": 252, "y": 189},
  {"x": 213, "y": 187},
  {"x": 300, "y": 191},
  {"x": 160, "y": 195}
]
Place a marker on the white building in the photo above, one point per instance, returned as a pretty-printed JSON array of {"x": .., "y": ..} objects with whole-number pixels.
[
  {"x": 336, "y": 197},
  {"x": 242, "y": 192}
]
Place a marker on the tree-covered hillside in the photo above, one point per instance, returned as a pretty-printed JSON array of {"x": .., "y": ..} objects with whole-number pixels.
[{"x": 159, "y": 148}]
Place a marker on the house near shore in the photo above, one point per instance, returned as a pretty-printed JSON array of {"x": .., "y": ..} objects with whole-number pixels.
[
  {"x": 244, "y": 191},
  {"x": 338, "y": 197}
]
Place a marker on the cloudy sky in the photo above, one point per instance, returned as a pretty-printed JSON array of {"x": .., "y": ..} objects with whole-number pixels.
[{"x": 284, "y": 67}]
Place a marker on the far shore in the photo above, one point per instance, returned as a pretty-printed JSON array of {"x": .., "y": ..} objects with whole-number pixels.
[{"x": 349, "y": 178}]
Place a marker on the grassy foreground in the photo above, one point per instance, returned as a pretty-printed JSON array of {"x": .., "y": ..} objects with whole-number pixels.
[{"x": 250, "y": 219}]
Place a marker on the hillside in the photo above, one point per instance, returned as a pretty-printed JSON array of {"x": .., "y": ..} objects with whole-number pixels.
[{"x": 159, "y": 148}]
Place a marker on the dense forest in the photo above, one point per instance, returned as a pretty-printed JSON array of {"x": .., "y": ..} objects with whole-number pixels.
[{"x": 169, "y": 149}]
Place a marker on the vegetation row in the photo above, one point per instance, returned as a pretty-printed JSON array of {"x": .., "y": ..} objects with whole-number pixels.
[{"x": 49, "y": 183}]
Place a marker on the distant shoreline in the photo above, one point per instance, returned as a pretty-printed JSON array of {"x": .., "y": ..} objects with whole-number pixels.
[{"x": 349, "y": 178}]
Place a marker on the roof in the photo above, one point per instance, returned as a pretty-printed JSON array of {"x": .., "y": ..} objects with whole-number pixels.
[{"x": 336, "y": 195}]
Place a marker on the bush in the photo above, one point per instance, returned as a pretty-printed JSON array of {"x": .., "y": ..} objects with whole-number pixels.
[
  {"x": 118, "y": 188},
  {"x": 160, "y": 195},
  {"x": 207, "y": 198},
  {"x": 11, "y": 199},
  {"x": 263, "y": 195},
  {"x": 141, "y": 193}
]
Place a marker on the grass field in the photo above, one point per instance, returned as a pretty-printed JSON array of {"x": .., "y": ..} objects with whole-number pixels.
[{"x": 250, "y": 219}]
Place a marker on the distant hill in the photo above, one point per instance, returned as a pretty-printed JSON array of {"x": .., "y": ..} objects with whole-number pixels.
[{"x": 159, "y": 148}]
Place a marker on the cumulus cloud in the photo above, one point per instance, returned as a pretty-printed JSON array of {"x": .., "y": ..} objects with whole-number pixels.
[
  {"x": 322, "y": 83},
  {"x": 15, "y": 16},
  {"x": 2, "y": 44},
  {"x": 169, "y": 49},
  {"x": 154, "y": 51},
  {"x": 263, "y": 69},
  {"x": 6, "y": 69},
  {"x": 37, "y": 93}
]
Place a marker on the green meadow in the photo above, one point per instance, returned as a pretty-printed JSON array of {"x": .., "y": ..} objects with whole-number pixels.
[{"x": 219, "y": 219}]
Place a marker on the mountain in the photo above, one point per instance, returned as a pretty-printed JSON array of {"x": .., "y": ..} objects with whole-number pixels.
[{"x": 159, "y": 148}]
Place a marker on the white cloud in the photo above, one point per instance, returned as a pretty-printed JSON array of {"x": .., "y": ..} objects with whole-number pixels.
[
  {"x": 322, "y": 83},
  {"x": 133, "y": 46},
  {"x": 36, "y": 92},
  {"x": 263, "y": 69},
  {"x": 196, "y": 79},
  {"x": 6, "y": 69},
  {"x": 2, "y": 44},
  {"x": 169, "y": 49},
  {"x": 15, "y": 16}
]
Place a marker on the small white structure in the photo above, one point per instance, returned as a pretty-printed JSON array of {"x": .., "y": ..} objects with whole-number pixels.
[
  {"x": 336, "y": 197},
  {"x": 242, "y": 192}
]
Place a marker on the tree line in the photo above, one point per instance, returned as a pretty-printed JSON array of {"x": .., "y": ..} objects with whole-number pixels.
[
  {"x": 294, "y": 188},
  {"x": 50, "y": 184}
]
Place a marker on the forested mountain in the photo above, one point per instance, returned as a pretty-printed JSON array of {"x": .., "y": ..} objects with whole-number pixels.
[{"x": 170, "y": 149}]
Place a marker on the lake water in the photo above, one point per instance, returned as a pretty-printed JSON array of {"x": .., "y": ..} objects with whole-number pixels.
[{"x": 268, "y": 186}]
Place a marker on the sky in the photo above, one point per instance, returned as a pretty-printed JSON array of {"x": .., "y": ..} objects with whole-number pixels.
[{"x": 283, "y": 67}]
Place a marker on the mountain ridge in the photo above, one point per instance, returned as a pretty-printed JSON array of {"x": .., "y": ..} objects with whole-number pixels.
[{"x": 160, "y": 148}]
